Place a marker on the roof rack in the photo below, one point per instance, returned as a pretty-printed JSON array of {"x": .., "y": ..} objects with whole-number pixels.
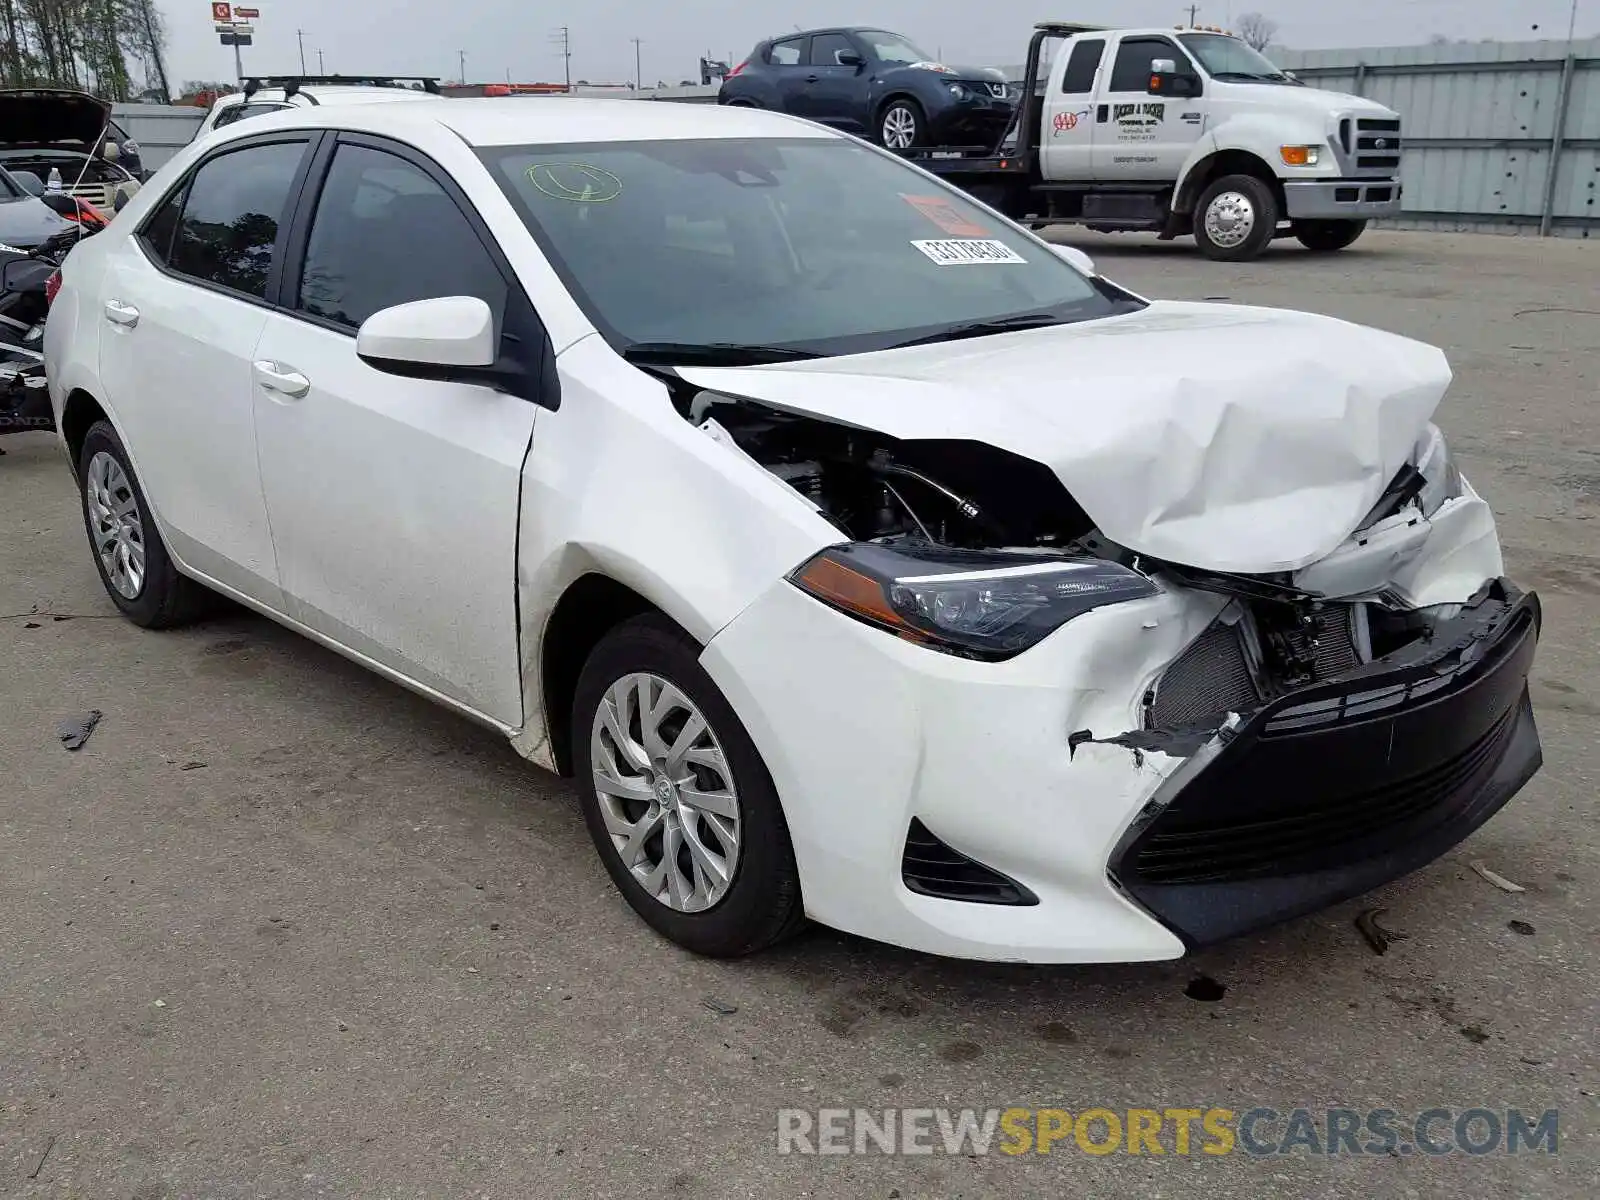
[
  {"x": 1070, "y": 27},
  {"x": 291, "y": 84}
]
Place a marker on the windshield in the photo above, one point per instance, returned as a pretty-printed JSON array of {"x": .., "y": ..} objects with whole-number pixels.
[
  {"x": 815, "y": 245},
  {"x": 892, "y": 48},
  {"x": 1226, "y": 57}
]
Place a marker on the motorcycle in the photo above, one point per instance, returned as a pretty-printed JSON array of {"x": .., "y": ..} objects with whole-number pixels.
[{"x": 28, "y": 283}]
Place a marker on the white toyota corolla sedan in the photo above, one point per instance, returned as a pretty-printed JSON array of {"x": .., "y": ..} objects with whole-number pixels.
[{"x": 862, "y": 556}]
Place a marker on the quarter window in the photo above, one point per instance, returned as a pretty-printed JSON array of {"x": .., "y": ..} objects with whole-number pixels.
[
  {"x": 1081, "y": 67},
  {"x": 228, "y": 233},
  {"x": 787, "y": 54},
  {"x": 242, "y": 112},
  {"x": 386, "y": 233}
]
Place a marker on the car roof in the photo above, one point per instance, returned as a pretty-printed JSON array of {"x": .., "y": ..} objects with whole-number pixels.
[
  {"x": 549, "y": 120},
  {"x": 344, "y": 93}
]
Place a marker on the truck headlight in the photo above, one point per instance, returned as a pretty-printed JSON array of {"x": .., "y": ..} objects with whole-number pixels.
[
  {"x": 1441, "y": 478},
  {"x": 976, "y": 604},
  {"x": 1300, "y": 156}
]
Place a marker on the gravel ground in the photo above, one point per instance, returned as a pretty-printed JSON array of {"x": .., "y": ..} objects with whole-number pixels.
[{"x": 282, "y": 929}]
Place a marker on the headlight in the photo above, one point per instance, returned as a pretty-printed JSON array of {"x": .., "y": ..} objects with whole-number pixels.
[
  {"x": 959, "y": 92},
  {"x": 1441, "y": 479},
  {"x": 1300, "y": 156},
  {"x": 976, "y": 604}
]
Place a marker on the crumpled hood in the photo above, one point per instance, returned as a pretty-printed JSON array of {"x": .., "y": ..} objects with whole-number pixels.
[{"x": 1229, "y": 438}]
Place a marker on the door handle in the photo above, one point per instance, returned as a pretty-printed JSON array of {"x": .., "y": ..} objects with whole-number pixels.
[
  {"x": 812, "y": 78},
  {"x": 122, "y": 314},
  {"x": 1101, "y": 114},
  {"x": 272, "y": 377}
]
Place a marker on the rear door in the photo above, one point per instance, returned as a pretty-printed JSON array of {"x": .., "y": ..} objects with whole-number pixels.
[
  {"x": 786, "y": 63},
  {"x": 394, "y": 501},
  {"x": 1066, "y": 134},
  {"x": 185, "y": 302},
  {"x": 1138, "y": 136},
  {"x": 835, "y": 94}
]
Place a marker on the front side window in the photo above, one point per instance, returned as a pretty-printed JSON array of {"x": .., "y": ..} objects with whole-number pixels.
[
  {"x": 1131, "y": 72},
  {"x": 826, "y": 48},
  {"x": 741, "y": 242},
  {"x": 892, "y": 49},
  {"x": 385, "y": 233},
  {"x": 235, "y": 204}
]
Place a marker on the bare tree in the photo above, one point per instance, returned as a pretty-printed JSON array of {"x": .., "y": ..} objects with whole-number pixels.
[
  {"x": 1256, "y": 31},
  {"x": 82, "y": 43}
]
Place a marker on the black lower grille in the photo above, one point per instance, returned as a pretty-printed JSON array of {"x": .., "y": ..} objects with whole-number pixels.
[
  {"x": 932, "y": 868},
  {"x": 1194, "y": 847}
]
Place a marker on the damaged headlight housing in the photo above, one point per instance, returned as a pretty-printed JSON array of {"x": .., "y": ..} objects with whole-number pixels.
[
  {"x": 976, "y": 604},
  {"x": 1441, "y": 480}
]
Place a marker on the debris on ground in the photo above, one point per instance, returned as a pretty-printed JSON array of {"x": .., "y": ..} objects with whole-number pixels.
[
  {"x": 1379, "y": 938},
  {"x": 48, "y": 1146},
  {"x": 1500, "y": 881},
  {"x": 1522, "y": 927},
  {"x": 75, "y": 731},
  {"x": 161, "y": 1004},
  {"x": 721, "y": 1007},
  {"x": 193, "y": 766},
  {"x": 1205, "y": 989}
]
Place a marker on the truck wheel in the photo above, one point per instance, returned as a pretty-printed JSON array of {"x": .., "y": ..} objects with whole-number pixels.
[
  {"x": 900, "y": 125},
  {"x": 1324, "y": 237},
  {"x": 1235, "y": 219}
]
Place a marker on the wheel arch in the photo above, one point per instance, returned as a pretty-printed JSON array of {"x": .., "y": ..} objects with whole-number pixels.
[
  {"x": 78, "y": 415},
  {"x": 1215, "y": 165}
]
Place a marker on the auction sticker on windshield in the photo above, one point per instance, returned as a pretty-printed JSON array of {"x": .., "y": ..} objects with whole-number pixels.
[{"x": 960, "y": 252}]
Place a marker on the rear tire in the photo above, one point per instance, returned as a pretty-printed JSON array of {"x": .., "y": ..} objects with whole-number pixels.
[
  {"x": 901, "y": 125},
  {"x": 1236, "y": 218},
  {"x": 1325, "y": 237},
  {"x": 706, "y": 858},
  {"x": 133, "y": 562}
]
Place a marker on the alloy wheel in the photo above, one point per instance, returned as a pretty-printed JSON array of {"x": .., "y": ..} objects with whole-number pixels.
[
  {"x": 116, "y": 524},
  {"x": 1229, "y": 219},
  {"x": 666, "y": 792},
  {"x": 899, "y": 128}
]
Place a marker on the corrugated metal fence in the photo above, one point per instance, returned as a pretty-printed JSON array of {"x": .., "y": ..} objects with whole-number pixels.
[
  {"x": 160, "y": 129},
  {"x": 1501, "y": 136}
]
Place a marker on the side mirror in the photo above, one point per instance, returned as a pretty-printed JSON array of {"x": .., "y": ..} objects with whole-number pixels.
[
  {"x": 451, "y": 338},
  {"x": 1074, "y": 258},
  {"x": 1163, "y": 74},
  {"x": 849, "y": 58},
  {"x": 110, "y": 151}
]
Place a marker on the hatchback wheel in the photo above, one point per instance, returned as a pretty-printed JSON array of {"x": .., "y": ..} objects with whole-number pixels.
[
  {"x": 901, "y": 125},
  {"x": 128, "y": 552},
  {"x": 677, "y": 799}
]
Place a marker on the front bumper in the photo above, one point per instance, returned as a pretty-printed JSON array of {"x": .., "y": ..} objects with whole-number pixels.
[
  {"x": 1341, "y": 199},
  {"x": 1337, "y": 788},
  {"x": 871, "y": 740}
]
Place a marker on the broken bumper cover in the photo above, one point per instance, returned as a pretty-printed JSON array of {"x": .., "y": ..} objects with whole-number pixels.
[{"x": 1340, "y": 787}]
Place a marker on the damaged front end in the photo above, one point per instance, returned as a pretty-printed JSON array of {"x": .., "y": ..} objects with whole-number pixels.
[{"x": 1332, "y": 727}]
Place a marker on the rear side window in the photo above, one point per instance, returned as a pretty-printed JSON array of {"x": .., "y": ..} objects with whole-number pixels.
[
  {"x": 384, "y": 234},
  {"x": 826, "y": 48},
  {"x": 787, "y": 54},
  {"x": 1085, "y": 61},
  {"x": 1132, "y": 70},
  {"x": 228, "y": 232},
  {"x": 243, "y": 112}
]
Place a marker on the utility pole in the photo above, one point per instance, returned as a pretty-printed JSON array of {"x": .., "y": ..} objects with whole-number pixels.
[
  {"x": 1193, "y": 10},
  {"x": 638, "y": 77},
  {"x": 562, "y": 40},
  {"x": 301, "y": 34},
  {"x": 462, "y": 55},
  {"x": 321, "y": 67}
]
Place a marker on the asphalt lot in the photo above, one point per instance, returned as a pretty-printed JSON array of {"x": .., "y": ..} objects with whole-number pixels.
[{"x": 282, "y": 929}]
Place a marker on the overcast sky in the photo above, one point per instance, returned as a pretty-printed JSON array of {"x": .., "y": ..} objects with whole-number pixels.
[{"x": 422, "y": 37}]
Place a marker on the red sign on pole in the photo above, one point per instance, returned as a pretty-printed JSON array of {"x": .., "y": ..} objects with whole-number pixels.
[{"x": 222, "y": 12}]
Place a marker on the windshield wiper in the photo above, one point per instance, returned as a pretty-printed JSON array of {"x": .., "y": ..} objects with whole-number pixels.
[
  {"x": 713, "y": 354},
  {"x": 1246, "y": 76},
  {"x": 984, "y": 328}
]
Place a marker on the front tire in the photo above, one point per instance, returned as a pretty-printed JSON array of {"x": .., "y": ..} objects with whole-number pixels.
[
  {"x": 901, "y": 125},
  {"x": 128, "y": 551},
  {"x": 677, "y": 800},
  {"x": 1236, "y": 218},
  {"x": 1325, "y": 237}
]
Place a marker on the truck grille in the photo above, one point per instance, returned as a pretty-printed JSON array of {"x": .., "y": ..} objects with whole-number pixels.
[{"x": 1377, "y": 147}]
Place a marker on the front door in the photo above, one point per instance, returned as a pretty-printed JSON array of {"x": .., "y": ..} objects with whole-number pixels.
[
  {"x": 1138, "y": 136},
  {"x": 835, "y": 93},
  {"x": 1066, "y": 137},
  {"x": 394, "y": 502},
  {"x": 184, "y": 306}
]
